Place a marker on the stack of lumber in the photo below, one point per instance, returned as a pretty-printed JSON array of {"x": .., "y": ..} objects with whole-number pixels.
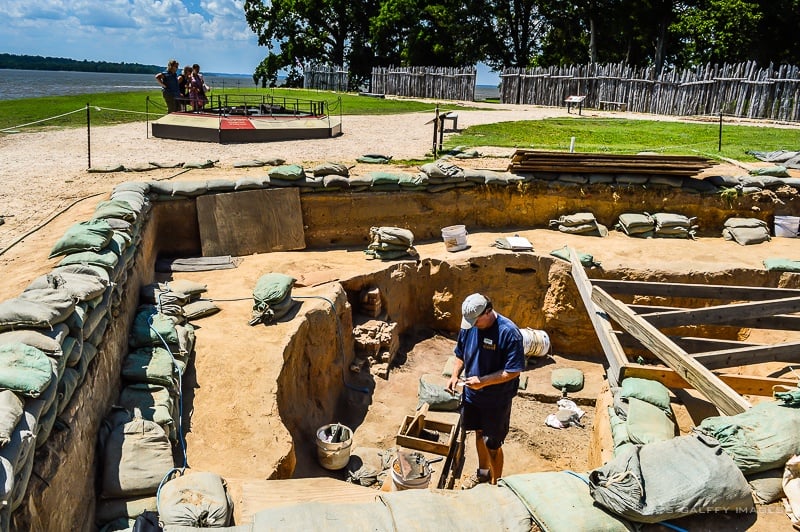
[{"x": 606, "y": 163}]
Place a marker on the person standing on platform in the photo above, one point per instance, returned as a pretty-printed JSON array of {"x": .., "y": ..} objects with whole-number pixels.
[
  {"x": 490, "y": 353},
  {"x": 198, "y": 89},
  {"x": 183, "y": 84},
  {"x": 170, "y": 89}
]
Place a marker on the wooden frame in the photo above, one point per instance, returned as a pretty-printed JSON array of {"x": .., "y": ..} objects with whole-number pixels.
[{"x": 689, "y": 360}]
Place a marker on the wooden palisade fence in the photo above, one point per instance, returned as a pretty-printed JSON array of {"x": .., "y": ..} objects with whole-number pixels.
[
  {"x": 742, "y": 90},
  {"x": 442, "y": 83},
  {"x": 328, "y": 78}
]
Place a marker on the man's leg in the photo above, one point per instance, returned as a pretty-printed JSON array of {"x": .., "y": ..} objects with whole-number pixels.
[
  {"x": 495, "y": 464},
  {"x": 484, "y": 460}
]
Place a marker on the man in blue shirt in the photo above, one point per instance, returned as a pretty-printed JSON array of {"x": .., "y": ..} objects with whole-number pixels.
[{"x": 490, "y": 352}]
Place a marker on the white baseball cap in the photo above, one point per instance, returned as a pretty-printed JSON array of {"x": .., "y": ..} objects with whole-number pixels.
[{"x": 472, "y": 307}]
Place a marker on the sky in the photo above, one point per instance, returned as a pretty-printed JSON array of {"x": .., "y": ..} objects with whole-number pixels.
[{"x": 212, "y": 33}]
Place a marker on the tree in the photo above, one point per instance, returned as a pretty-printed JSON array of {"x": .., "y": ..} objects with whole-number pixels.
[
  {"x": 516, "y": 28},
  {"x": 715, "y": 31},
  {"x": 298, "y": 33},
  {"x": 416, "y": 32}
]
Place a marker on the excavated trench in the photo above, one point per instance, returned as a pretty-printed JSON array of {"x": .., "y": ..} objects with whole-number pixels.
[{"x": 256, "y": 395}]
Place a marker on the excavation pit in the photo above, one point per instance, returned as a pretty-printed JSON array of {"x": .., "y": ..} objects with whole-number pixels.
[{"x": 257, "y": 394}]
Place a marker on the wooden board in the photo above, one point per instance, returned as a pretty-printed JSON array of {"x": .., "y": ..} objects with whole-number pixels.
[
  {"x": 743, "y": 384},
  {"x": 710, "y": 291},
  {"x": 702, "y": 379},
  {"x": 253, "y": 221},
  {"x": 258, "y": 495}
]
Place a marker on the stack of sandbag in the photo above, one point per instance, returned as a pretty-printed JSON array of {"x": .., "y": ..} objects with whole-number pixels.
[
  {"x": 641, "y": 413},
  {"x": 581, "y": 223},
  {"x": 391, "y": 243},
  {"x": 272, "y": 298},
  {"x": 670, "y": 479},
  {"x": 634, "y": 224},
  {"x": 746, "y": 231},
  {"x": 334, "y": 175},
  {"x": 670, "y": 225},
  {"x": 135, "y": 454},
  {"x": 444, "y": 175},
  {"x": 195, "y": 499}
]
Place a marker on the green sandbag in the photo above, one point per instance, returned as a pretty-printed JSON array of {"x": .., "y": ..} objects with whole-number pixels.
[
  {"x": 155, "y": 402},
  {"x": 287, "y": 172},
  {"x": 567, "y": 379},
  {"x": 436, "y": 396},
  {"x": 104, "y": 258},
  {"x": 328, "y": 168},
  {"x": 24, "y": 369},
  {"x": 114, "y": 209},
  {"x": 92, "y": 235},
  {"x": 36, "y": 309},
  {"x": 151, "y": 327},
  {"x": 647, "y": 390},
  {"x": 782, "y": 265},
  {"x": 374, "y": 159},
  {"x": 560, "y": 502},
  {"x": 585, "y": 259},
  {"x": 774, "y": 171},
  {"x": 647, "y": 423},
  {"x": 149, "y": 365},
  {"x": 271, "y": 290}
]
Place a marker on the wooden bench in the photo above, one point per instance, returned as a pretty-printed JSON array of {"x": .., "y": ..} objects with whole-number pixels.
[
  {"x": 608, "y": 105},
  {"x": 572, "y": 100},
  {"x": 450, "y": 116}
]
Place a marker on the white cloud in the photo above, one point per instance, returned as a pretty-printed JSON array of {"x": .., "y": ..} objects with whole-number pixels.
[{"x": 214, "y": 33}]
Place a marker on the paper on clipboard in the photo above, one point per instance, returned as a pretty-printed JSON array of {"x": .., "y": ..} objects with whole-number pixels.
[{"x": 514, "y": 243}]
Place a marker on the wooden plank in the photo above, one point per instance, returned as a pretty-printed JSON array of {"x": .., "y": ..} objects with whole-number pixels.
[
  {"x": 779, "y": 322},
  {"x": 688, "y": 290},
  {"x": 253, "y": 221},
  {"x": 690, "y": 344},
  {"x": 743, "y": 356},
  {"x": 258, "y": 495},
  {"x": 743, "y": 384},
  {"x": 601, "y": 446},
  {"x": 602, "y": 326},
  {"x": 719, "y": 393},
  {"x": 722, "y": 314},
  {"x": 418, "y": 421}
]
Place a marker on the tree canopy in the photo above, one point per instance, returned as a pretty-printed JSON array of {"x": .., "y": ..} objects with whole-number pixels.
[{"x": 360, "y": 34}]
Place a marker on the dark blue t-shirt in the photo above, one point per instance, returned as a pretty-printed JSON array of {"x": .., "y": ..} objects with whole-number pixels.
[
  {"x": 170, "y": 80},
  {"x": 487, "y": 351}
]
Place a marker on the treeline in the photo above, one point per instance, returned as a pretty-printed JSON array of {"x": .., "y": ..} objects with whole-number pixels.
[
  {"x": 37, "y": 62},
  {"x": 358, "y": 35}
]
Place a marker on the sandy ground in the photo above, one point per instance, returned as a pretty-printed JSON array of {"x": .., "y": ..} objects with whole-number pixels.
[{"x": 44, "y": 177}]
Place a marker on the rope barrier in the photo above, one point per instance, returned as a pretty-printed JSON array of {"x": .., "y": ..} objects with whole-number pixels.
[
  {"x": 124, "y": 111},
  {"x": 81, "y": 110}
]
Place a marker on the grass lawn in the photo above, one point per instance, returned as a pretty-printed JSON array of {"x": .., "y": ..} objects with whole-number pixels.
[{"x": 608, "y": 135}]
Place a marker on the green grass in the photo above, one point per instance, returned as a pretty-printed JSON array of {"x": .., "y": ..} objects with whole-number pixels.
[
  {"x": 629, "y": 136},
  {"x": 122, "y": 107}
]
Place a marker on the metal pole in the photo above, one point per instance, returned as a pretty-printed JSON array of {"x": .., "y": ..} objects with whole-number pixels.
[
  {"x": 719, "y": 147},
  {"x": 147, "y": 117},
  {"x": 88, "y": 136},
  {"x": 435, "y": 129}
]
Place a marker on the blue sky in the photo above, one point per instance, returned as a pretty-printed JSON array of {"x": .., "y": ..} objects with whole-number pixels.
[{"x": 212, "y": 33}]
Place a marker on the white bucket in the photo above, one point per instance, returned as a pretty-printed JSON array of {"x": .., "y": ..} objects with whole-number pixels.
[
  {"x": 331, "y": 455},
  {"x": 787, "y": 226},
  {"x": 535, "y": 343},
  {"x": 455, "y": 237},
  {"x": 401, "y": 484}
]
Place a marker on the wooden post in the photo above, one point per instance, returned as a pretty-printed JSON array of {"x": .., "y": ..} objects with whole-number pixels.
[
  {"x": 88, "y": 136},
  {"x": 435, "y": 130}
]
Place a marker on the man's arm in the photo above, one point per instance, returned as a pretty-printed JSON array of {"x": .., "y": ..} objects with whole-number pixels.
[
  {"x": 458, "y": 365},
  {"x": 498, "y": 377}
]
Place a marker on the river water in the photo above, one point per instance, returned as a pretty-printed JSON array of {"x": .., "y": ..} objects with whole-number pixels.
[{"x": 16, "y": 84}]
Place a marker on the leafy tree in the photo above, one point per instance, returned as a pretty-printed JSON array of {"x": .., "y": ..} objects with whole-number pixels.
[
  {"x": 304, "y": 32},
  {"x": 715, "y": 31},
  {"x": 516, "y": 28},
  {"x": 777, "y": 38},
  {"x": 416, "y": 32}
]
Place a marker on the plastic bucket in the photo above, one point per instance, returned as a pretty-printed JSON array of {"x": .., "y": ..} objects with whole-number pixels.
[
  {"x": 455, "y": 237},
  {"x": 787, "y": 226},
  {"x": 400, "y": 484},
  {"x": 331, "y": 455},
  {"x": 535, "y": 343}
]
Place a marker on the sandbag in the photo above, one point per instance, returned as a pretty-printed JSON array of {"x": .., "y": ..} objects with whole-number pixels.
[
  {"x": 92, "y": 235},
  {"x": 482, "y": 508},
  {"x": 200, "y": 309},
  {"x": 567, "y": 379},
  {"x": 136, "y": 456},
  {"x": 149, "y": 365},
  {"x": 761, "y": 438},
  {"x": 320, "y": 516},
  {"x": 128, "y": 508},
  {"x": 647, "y": 423},
  {"x": 585, "y": 259},
  {"x": 368, "y": 465},
  {"x": 47, "y": 341},
  {"x": 328, "y": 168},
  {"x": 80, "y": 286},
  {"x": 24, "y": 369},
  {"x": 287, "y": 172},
  {"x": 36, "y": 309},
  {"x": 436, "y": 396},
  {"x": 560, "y": 502},
  {"x": 105, "y": 258},
  {"x": 114, "y": 209},
  {"x": 746, "y": 235},
  {"x": 633, "y": 224},
  {"x": 782, "y": 265},
  {"x": 151, "y": 327},
  {"x": 647, "y": 390},
  {"x": 271, "y": 289},
  {"x": 153, "y": 401},
  {"x": 10, "y": 413},
  {"x": 392, "y": 235},
  {"x": 670, "y": 479},
  {"x": 195, "y": 499},
  {"x": 767, "y": 486}
]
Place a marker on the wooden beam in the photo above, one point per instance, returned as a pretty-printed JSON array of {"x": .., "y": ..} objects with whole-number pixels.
[
  {"x": 722, "y": 314},
  {"x": 779, "y": 322},
  {"x": 602, "y": 325},
  {"x": 709, "y": 291},
  {"x": 719, "y": 393},
  {"x": 743, "y": 384},
  {"x": 690, "y": 344},
  {"x": 743, "y": 356}
]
